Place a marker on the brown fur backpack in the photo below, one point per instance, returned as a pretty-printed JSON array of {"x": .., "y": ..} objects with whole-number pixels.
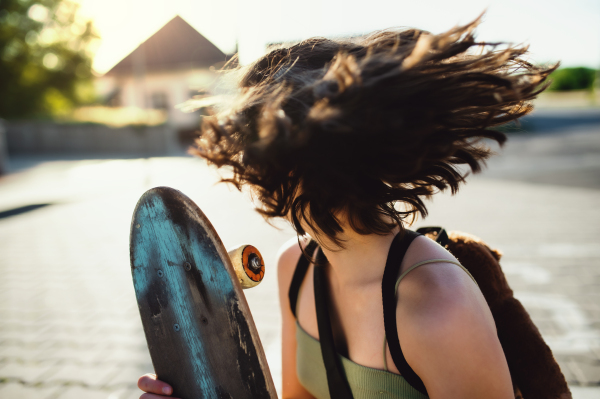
[{"x": 533, "y": 369}]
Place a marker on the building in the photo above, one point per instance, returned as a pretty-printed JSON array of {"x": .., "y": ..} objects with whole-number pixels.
[{"x": 167, "y": 69}]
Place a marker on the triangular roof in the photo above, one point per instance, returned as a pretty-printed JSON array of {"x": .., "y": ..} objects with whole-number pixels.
[{"x": 176, "y": 45}]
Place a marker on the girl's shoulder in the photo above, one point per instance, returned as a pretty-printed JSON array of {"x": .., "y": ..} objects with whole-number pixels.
[
  {"x": 435, "y": 291},
  {"x": 442, "y": 314},
  {"x": 440, "y": 309},
  {"x": 287, "y": 259}
]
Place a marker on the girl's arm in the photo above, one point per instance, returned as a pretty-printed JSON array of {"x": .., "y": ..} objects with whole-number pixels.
[
  {"x": 286, "y": 264},
  {"x": 448, "y": 335}
]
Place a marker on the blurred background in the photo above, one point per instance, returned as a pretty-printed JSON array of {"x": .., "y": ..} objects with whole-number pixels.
[{"x": 91, "y": 96}]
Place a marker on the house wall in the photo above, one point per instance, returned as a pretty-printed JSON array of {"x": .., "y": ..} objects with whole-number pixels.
[
  {"x": 55, "y": 138},
  {"x": 175, "y": 86}
]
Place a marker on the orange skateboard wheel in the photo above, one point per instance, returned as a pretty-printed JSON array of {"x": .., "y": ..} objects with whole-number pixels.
[{"x": 248, "y": 264}]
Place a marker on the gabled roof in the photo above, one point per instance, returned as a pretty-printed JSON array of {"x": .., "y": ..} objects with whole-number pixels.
[{"x": 176, "y": 45}]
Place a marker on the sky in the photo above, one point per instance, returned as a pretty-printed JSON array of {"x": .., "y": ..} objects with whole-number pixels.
[{"x": 557, "y": 30}]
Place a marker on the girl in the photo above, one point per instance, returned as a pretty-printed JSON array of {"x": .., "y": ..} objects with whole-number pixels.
[{"x": 346, "y": 139}]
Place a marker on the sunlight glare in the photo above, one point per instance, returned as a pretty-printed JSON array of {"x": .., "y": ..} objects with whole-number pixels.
[{"x": 124, "y": 24}]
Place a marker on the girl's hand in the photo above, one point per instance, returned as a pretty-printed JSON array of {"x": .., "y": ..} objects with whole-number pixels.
[{"x": 154, "y": 388}]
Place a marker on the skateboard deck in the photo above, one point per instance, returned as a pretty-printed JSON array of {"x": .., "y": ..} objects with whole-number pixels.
[{"x": 200, "y": 333}]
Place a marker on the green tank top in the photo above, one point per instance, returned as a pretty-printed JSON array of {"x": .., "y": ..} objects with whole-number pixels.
[{"x": 365, "y": 382}]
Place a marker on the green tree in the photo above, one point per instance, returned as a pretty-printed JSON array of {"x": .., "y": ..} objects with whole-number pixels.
[
  {"x": 579, "y": 78},
  {"x": 45, "y": 57}
]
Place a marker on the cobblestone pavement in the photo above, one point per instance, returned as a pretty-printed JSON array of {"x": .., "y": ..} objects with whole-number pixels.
[{"x": 69, "y": 325}]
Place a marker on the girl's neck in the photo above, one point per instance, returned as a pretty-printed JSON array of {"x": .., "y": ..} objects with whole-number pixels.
[{"x": 361, "y": 261}]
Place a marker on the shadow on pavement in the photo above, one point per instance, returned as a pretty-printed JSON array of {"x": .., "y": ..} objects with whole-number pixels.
[
  {"x": 547, "y": 121},
  {"x": 20, "y": 210}
]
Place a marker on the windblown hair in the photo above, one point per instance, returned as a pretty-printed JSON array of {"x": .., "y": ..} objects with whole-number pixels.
[{"x": 352, "y": 128}]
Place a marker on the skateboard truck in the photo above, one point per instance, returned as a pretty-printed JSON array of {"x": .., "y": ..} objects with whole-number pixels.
[{"x": 248, "y": 264}]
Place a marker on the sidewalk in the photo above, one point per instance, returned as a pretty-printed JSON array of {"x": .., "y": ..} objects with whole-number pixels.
[{"x": 69, "y": 322}]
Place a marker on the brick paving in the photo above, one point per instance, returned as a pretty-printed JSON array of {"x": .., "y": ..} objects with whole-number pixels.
[{"x": 69, "y": 325}]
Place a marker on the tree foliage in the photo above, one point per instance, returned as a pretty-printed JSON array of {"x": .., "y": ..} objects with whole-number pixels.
[
  {"x": 45, "y": 57},
  {"x": 579, "y": 78}
]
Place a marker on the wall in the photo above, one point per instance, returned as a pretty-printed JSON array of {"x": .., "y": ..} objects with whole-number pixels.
[
  {"x": 177, "y": 86},
  {"x": 3, "y": 150},
  {"x": 55, "y": 138}
]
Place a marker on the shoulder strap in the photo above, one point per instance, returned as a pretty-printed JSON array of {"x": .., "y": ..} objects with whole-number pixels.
[
  {"x": 392, "y": 268},
  {"x": 441, "y": 237},
  {"x": 299, "y": 273},
  {"x": 336, "y": 378}
]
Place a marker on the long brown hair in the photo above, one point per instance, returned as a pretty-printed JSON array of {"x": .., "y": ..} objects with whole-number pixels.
[{"x": 360, "y": 125}]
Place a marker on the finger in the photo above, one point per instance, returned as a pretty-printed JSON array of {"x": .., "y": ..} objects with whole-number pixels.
[{"x": 149, "y": 383}]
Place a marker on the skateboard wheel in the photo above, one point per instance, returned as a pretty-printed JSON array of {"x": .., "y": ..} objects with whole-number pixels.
[{"x": 248, "y": 264}]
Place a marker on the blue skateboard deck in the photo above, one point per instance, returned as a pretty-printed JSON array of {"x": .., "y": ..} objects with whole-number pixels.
[{"x": 200, "y": 333}]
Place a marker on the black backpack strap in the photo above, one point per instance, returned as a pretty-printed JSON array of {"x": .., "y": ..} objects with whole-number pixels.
[
  {"x": 441, "y": 237},
  {"x": 388, "y": 288},
  {"x": 299, "y": 273},
  {"x": 336, "y": 378}
]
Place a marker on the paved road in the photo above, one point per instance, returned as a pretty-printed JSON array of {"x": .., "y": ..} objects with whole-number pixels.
[{"x": 69, "y": 326}]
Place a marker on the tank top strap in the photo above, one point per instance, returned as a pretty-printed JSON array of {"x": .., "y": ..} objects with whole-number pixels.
[
  {"x": 299, "y": 273},
  {"x": 337, "y": 383},
  {"x": 425, "y": 262},
  {"x": 396, "y": 254}
]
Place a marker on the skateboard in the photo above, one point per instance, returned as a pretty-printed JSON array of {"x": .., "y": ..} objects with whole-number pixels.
[{"x": 199, "y": 329}]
